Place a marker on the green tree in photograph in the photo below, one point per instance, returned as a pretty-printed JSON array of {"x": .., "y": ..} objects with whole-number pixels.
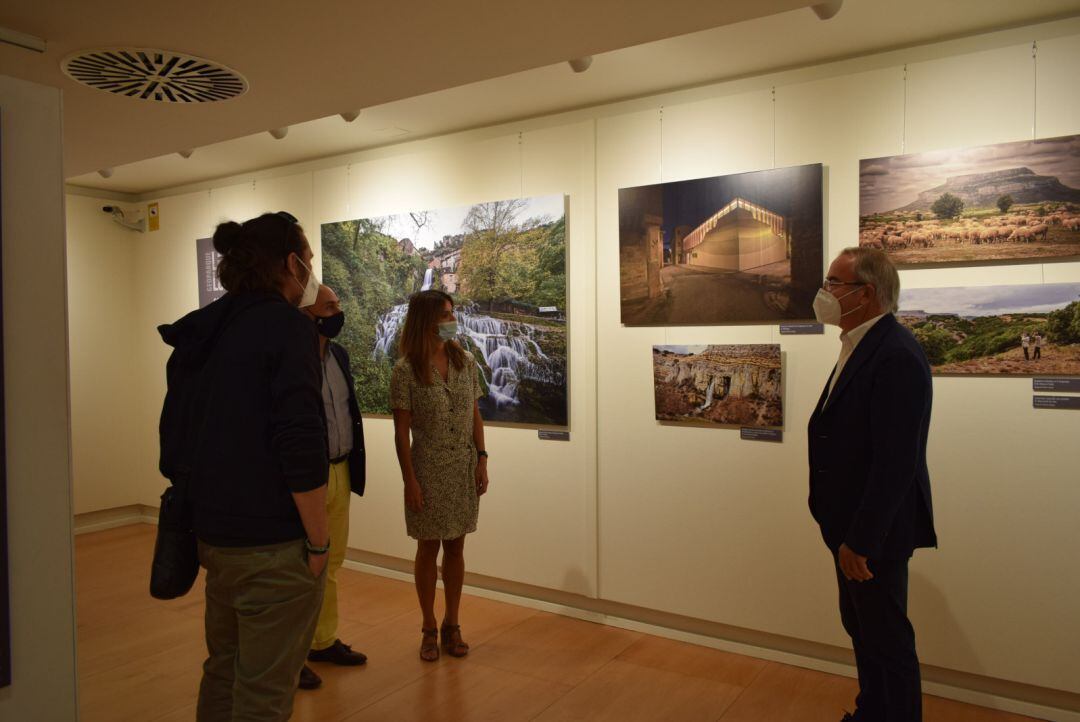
[
  {"x": 1063, "y": 325},
  {"x": 1004, "y": 203},
  {"x": 947, "y": 206},
  {"x": 494, "y": 251},
  {"x": 936, "y": 342},
  {"x": 550, "y": 269},
  {"x": 371, "y": 274}
]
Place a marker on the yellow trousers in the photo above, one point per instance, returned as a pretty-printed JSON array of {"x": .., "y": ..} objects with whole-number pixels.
[{"x": 337, "y": 510}]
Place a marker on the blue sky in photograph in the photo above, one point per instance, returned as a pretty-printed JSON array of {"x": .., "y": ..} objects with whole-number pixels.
[
  {"x": 990, "y": 300},
  {"x": 449, "y": 221}
]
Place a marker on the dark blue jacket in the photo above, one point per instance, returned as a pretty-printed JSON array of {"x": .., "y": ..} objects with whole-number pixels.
[
  {"x": 358, "y": 455},
  {"x": 869, "y": 484},
  {"x": 243, "y": 422}
]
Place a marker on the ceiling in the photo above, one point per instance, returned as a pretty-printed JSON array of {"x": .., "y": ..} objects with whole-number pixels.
[
  {"x": 418, "y": 70},
  {"x": 309, "y": 60}
]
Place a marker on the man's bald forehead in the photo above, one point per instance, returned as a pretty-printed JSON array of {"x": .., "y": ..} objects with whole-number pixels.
[{"x": 326, "y": 295}]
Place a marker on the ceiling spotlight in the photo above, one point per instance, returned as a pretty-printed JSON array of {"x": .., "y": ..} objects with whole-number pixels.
[
  {"x": 827, "y": 10},
  {"x": 187, "y": 153},
  {"x": 350, "y": 116},
  {"x": 279, "y": 133},
  {"x": 580, "y": 65},
  {"x": 105, "y": 172}
]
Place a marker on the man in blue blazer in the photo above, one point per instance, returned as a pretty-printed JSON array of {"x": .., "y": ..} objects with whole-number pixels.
[
  {"x": 869, "y": 484},
  {"x": 345, "y": 447}
]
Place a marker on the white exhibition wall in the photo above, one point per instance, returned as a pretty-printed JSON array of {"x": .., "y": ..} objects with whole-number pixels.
[
  {"x": 36, "y": 407},
  {"x": 690, "y": 521}
]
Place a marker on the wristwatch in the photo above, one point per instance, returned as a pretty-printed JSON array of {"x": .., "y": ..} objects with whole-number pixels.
[
  {"x": 312, "y": 549},
  {"x": 481, "y": 452}
]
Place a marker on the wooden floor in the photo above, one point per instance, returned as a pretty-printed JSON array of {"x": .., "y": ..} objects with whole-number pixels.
[{"x": 139, "y": 660}]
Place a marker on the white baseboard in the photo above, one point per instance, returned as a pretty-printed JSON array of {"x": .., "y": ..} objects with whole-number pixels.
[
  {"x": 111, "y": 518},
  {"x": 948, "y": 691}
]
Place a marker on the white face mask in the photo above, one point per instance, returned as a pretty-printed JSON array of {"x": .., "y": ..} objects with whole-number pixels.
[
  {"x": 311, "y": 289},
  {"x": 448, "y": 330},
  {"x": 827, "y": 307}
]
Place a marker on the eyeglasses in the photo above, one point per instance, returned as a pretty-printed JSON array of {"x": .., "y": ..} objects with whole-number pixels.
[{"x": 830, "y": 284}]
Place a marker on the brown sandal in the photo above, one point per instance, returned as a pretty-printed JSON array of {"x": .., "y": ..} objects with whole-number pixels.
[
  {"x": 429, "y": 645},
  {"x": 451, "y": 640}
]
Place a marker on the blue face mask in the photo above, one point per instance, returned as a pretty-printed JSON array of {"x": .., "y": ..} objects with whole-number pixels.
[{"x": 448, "y": 330}]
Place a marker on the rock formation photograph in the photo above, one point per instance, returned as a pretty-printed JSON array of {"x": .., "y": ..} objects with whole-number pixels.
[
  {"x": 1010, "y": 201},
  {"x": 735, "y": 385}
]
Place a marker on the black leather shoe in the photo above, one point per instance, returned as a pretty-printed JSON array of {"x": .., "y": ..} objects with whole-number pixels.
[
  {"x": 308, "y": 678},
  {"x": 337, "y": 653}
]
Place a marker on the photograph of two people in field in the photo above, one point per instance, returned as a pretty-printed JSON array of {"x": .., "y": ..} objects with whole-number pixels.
[{"x": 1020, "y": 330}]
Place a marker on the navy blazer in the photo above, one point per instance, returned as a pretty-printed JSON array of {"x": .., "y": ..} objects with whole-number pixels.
[
  {"x": 869, "y": 484},
  {"x": 358, "y": 455}
]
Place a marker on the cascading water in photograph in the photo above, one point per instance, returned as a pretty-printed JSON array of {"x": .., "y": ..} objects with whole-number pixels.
[
  {"x": 386, "y": 331},
  {"x": 708, "y": 396},
  {"x": 509, "y": 348},
  {"x": 510, "y": 352}
]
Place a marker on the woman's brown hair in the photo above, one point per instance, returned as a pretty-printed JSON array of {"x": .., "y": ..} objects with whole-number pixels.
[
  {"x": 253, "y": 254},
  {"x": 419, "y": 336}
]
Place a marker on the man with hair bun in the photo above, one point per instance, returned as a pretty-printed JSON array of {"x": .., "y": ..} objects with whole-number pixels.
[
  {"x": 243, "y": 433},
  {"x": 869, "y": 483}
]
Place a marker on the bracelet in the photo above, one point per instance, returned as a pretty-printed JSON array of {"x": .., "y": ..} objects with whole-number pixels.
[
  {"x": 481, "y": 453},
  {"x": 312, "y": 549}
]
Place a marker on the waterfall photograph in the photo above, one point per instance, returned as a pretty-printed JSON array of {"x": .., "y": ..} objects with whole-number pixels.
[
  {"x": 504, "y": 264},
  {"x": 735, "y": 385}
]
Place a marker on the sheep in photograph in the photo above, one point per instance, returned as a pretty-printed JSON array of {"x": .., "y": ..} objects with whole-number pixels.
[
  {"x": 894, "y": 242},
  {"x": 922, "y": 240},
  {"x": 1023, "y": 234}
]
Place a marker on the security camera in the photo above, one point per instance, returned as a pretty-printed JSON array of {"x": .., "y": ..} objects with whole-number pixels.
[{"x": 138, "y": 223}]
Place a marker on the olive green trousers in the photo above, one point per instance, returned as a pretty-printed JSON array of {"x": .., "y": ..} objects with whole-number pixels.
[{"x": 261, "y": 608}]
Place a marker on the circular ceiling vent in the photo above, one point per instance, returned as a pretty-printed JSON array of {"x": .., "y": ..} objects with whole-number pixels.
[{"x": 150, "y": 74}]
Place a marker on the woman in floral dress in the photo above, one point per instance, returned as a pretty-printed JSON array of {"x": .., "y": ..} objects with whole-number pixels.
[{"x": 433, "y": 392}]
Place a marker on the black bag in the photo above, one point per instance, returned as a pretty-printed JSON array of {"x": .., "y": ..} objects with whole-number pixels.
[{"x": 176, "y": 557}]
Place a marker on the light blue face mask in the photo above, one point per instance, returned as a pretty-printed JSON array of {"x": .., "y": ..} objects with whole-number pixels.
[{"x": 448, "y": 330}]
